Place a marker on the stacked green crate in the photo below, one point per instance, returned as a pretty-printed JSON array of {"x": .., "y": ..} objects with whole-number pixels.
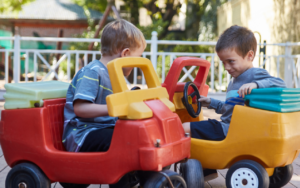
[{"x": 30, "y": 95}]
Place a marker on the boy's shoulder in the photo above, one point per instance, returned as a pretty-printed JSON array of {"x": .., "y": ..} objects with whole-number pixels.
[
  {"x": 256, "y": 71},
  {"x": 94, "y": 67},
  {"x": 261, "y": 72}
]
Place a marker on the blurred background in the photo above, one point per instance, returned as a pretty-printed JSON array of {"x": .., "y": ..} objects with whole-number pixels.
[
  {"x": 53, "y": 39},
  {"x": 44, "y": 40}
]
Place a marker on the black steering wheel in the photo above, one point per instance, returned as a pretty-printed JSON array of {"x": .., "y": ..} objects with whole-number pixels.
[
  {"x": 187, "y": 100},
  {"x": 135, "y": 88}
]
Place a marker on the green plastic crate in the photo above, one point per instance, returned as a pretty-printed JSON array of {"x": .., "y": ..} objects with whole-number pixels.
[
  {"x": 275, "y": 99},
  {"x": 30, "y": 95}
]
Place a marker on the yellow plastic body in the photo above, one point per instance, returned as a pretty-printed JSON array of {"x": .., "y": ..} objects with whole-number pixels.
[
  {"x": 30, "y": 95},
  {"x": 181, "y": 110},
  {"x": 128, "y": 104},
  {"x": 269, "y": 138}
]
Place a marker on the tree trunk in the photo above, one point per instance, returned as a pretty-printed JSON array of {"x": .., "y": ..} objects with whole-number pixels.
[
  {"x": 167, "y": 13},
  {"x": 101, "y": 25},
  {"x": 134, "y": 12},
  {"x": 58, "y": 47},
  {"x": 194, "y": 14}
]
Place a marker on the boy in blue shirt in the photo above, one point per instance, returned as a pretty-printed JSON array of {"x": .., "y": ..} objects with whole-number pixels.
[
  {"x": 87, "y": 126},
  {"x": 236, "y": 49}
]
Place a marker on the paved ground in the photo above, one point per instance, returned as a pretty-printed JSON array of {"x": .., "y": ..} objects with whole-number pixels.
[{"x": 216, "y": 183}]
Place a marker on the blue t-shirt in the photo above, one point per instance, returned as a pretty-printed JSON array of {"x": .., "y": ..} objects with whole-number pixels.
[{"x": 92, "y": 84}]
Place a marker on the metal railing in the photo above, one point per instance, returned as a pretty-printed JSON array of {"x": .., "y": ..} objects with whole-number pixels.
[{"x": 218, "y": 77}]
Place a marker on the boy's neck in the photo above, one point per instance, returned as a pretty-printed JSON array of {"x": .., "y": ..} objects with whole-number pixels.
[{"x": 105, "y": 59}]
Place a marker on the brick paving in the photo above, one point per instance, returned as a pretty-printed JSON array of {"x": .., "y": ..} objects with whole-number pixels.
[{"x": 216, "y": 183}]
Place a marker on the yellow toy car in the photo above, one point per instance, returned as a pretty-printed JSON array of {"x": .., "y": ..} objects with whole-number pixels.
[{"x": 263, "y": 139}]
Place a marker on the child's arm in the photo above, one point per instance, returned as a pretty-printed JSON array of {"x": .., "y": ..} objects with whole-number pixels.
[
  {"x": 212, "y": 104},
  {"x": 86, "y": 109},
  {"x": 85, "y": 95},
  {"x": 262, "y": 79}
]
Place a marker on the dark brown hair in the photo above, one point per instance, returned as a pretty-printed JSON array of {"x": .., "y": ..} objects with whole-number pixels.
[
  {"x": 118, "y": 35},
  {"x": 241, "y": 39}
]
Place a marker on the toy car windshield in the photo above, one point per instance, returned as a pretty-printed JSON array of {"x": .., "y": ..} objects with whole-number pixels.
[{"x": 128, "y": 104}]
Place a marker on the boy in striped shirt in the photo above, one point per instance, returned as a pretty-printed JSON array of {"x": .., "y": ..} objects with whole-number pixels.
[{"x": 87, "y": 126}]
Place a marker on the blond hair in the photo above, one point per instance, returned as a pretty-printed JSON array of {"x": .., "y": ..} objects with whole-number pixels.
[{"x": 121, "y": 34}]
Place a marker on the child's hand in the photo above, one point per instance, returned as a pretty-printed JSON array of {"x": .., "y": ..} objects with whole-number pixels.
[
  {"x": 246, "y": 89},
  {"x": 205, "y": 102}
]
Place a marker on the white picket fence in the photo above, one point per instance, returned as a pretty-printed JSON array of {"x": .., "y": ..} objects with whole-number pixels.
[{"x": 160, "y": 60}]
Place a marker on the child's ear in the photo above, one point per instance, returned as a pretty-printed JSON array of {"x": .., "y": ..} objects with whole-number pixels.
[
  {"x": 250, "y": 55},
  {"x": 125, "y": 52}
]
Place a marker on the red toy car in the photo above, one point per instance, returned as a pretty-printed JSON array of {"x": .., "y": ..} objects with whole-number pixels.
[
  {"x": 31, "y": 139},
  {"x": 184, "y": 95}
]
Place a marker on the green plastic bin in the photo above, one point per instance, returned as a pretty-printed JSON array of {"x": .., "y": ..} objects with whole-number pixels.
[{"x": 30, "y": 95}]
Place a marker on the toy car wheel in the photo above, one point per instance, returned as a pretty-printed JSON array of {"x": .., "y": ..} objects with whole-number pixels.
[
  {"x": 281, "y": 176},
  {"x": 247, "y": 173},
  {"x": 73, "y": 185},
  {"x": 192, "y": 173},
  {"x": 157, "y": 180},
  {"x": 26, "y": 175},
  {"x": 133, "y": 178},
  {"x": 167, "y": 167}
]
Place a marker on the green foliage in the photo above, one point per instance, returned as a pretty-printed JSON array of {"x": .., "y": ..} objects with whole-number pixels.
[
  {"x": 157, "y": 26},
  {"x": 98, "y": 5},
  {"x": 84, "y": 45},
  {"x": 193, "y": 48},
  {"x": 208, "y": 24},
  {"x": 201, "y": 23},
  {"x": 132, "y": 7},
  {"x": 202, "y": 20},
  {"x": 12, "y": 5},
  {"x": 63, "y": 67}
]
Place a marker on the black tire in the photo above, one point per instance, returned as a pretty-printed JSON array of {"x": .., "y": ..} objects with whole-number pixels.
[
  {"x": 247, "y": 172},
  {"x": 167, "y": 167},
  {"x": 133, "y": 178},
  {"x": 192, "y": 173},
  {"x": 73, "y": 185},
  {"x": 281, "y": 176},
  {"x": 157, "y": 180},
  {"x": 27, "y": 174}
]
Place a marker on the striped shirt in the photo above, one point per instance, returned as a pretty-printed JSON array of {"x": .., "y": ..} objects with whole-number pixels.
[{"x": 92, "y": 84}]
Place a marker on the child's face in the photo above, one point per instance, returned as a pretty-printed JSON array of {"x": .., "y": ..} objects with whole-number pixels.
[
  {"x": 131, "y": 53},
  {"x": 235, "y": 64}
]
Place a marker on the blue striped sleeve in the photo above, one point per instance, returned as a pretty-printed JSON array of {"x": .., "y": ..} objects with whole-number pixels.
[{"x": 87, "y": 86}]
